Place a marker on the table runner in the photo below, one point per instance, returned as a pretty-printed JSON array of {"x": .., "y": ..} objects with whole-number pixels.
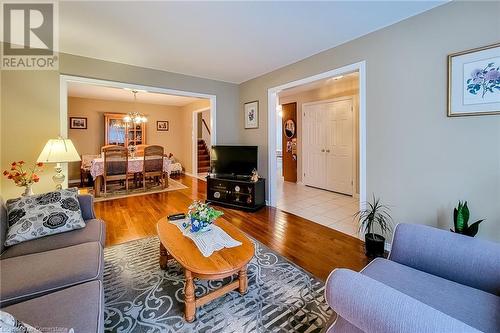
[{"x": 209, "y": 241}]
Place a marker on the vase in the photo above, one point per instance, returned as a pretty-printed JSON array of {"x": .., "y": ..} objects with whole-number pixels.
[
  {"x": 199, "y": 225},
  {"x": 27, "y": 191}
]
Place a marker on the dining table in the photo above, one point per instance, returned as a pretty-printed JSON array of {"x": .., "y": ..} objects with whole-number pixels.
[{"x": 135, "y": 165}]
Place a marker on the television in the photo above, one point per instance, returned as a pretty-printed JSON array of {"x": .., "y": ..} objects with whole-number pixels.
[{"x": 233, "y": 160}]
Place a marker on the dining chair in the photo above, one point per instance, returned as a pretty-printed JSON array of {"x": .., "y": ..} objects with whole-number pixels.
[
  {"x": 85, "y": 168},
  {"x": 115, "y": 166},
  {"x": 139, "y": 152},
  {"x": 153, "y": 165},
  {"x": 108, "y": 146}
]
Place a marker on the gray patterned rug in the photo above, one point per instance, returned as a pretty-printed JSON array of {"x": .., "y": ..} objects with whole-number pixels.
[{"x": 140, "y": 297}]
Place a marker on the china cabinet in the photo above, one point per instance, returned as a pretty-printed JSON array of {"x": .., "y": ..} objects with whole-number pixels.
[{"x": 118, "y": 132}]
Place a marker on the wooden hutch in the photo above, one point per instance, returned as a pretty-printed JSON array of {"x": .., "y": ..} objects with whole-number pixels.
[{"x": 118, "y": 132}]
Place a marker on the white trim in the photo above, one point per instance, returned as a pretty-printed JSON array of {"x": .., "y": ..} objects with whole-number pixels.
[
  {"x": 63, "y": 102},
  {"x": 194, "y": 139},
  {"x": 272, "y": 103},
  {"x": 63, "y": 124},
  {"x": 354, "y": 182},
  {"x": 195, "y": 176}
]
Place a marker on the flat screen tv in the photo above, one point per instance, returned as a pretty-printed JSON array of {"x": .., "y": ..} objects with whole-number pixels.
[{"x": 233, "y": 160}]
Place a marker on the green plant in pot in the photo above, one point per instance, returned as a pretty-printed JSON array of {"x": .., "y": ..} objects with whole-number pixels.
[
  {"x": 461, "y": 221},
  {"x": 373, "y": 216}
]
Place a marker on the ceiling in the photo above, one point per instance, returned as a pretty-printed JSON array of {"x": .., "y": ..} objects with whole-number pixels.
[
  {"x": 117, "y": 94},
  {"x": 324, "y": 83},
  {"x": 227, "y": 41}
]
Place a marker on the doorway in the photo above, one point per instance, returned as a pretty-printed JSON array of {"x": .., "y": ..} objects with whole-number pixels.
[
  {"x": 202, "y": 142},
  {"x": 328, "y": 144},
  {"x": 331, "y": 136},
  {"x": 66, "y": 80}
]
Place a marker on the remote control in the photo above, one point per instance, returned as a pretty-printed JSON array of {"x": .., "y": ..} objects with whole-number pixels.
[{"x": 178, "y": 216}]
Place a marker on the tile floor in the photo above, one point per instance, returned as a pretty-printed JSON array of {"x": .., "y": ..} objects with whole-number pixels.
[{"x": 324, "y": 207}]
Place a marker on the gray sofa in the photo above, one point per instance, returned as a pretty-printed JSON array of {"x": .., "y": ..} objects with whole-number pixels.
[
  {"x": 56, "y": 281},
  {"x": 433, "y": 281}
]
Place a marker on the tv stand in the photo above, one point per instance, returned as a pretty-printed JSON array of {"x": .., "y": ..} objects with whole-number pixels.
[{"x": 236, "y": 192}]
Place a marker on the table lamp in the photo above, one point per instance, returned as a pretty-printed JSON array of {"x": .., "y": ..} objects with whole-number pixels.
[{"x": 58, "y": 151}]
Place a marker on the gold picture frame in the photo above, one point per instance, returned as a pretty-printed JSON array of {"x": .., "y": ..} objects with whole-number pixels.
[{"x": 468, "y": 84}]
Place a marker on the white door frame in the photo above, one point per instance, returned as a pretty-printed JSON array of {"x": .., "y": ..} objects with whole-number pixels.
[
  {"x": 338, "y": 99},
  {"x": 272, "y": 99},
  {"x": 63, "y": 101},
  {"x": 195, "y": 139}
]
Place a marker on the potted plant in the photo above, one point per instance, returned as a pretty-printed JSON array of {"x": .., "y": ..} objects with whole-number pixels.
[
  {"x": 374, "y": 214},
  {"x": 201, "y": 216},
  {"x": 461, "y": 221}
]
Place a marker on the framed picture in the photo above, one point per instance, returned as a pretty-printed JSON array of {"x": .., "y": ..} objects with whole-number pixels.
[
  {"x": 77, "y": 123},
  {"x": 162, "y": 125},
  {"x": 252, "y": 114},
  {"x": 474, "y": 82}
]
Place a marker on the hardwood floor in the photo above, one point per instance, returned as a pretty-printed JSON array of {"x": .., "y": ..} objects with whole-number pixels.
[{"x": 314, "y": 247}]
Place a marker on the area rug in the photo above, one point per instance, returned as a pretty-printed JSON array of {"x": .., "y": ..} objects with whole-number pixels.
[
  {"x": 140, "y": 297},
  {"x": 117, "y": 192}
]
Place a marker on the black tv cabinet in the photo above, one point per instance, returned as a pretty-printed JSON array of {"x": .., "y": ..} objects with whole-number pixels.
[{"x": 236, "y": 193}]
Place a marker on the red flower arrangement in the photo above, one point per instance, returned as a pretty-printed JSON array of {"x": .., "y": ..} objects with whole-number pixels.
[{"x": 23, "y": 176}]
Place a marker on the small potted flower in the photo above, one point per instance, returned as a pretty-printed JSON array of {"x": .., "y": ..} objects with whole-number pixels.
[
  {"x": 24, "y": 176},
  {"x": 201, "y": 216}
]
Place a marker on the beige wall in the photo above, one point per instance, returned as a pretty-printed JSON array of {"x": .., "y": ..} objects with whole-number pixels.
[
  {"x": 418, "y": 160},
  {"x": 89, "y": 141},
  {"x": 30, "y": 106},
  {"x": 345, "y": 87}
]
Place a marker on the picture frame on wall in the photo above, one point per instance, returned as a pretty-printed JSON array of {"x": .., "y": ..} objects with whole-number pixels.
[
  {"x": 77, "y": 122},
  {"x": 251, "y": 110},
  {"x": 162, "y": 126},
  {"x": 474, "y": 82}
]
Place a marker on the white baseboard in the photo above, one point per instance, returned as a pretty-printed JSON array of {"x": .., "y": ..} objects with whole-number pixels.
[{"x": 195, "y": 176}]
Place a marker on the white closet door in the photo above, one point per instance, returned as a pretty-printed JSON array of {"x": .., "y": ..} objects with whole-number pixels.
[
  {"x": 328, "y": 145},
  {"x": 314, "y": 135},
  {"x": 339, "y": 146}
]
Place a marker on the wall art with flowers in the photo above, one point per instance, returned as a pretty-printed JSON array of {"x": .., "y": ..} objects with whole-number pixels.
[{"x": 474, "y": 82}]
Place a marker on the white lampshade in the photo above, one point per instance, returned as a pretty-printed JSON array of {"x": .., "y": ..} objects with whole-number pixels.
[{"x": 59, "y": 151}]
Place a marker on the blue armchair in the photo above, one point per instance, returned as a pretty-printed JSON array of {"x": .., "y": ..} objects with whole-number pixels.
[{"x": 433, "y": 281}]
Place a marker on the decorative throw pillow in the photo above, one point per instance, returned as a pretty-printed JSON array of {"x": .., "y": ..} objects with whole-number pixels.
[
  {"x": 9, "y": 324},
  {"x": 41, "y": 215}
]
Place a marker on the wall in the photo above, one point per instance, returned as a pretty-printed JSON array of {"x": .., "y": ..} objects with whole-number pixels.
[
  {"x": 91, "y": 140},
  {"x": 30, "y": 106},
  {"x": 187, "y": 122},
  {"x": 345, "y": 87},
  {"x": 205, "y": 135},
  {"x": 419, "y": 161},
  {"x": 29, "y": 117}
]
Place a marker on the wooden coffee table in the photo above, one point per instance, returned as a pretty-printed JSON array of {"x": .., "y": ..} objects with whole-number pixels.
[{"x": 220, "y": 264}]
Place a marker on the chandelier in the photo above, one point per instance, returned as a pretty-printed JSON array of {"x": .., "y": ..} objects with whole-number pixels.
[{"x": 135, "y": 117}]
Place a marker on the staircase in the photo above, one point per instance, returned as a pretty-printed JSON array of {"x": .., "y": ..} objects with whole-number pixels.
[{"x": 203, "y": 157}]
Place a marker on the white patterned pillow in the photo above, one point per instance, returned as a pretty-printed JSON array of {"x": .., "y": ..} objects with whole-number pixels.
[
  {"x": 41, "y": 215},
  {"x": 9, "y": 324}
]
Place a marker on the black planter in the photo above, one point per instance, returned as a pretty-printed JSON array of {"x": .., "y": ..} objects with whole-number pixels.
[{"x": 374, "y": 245}]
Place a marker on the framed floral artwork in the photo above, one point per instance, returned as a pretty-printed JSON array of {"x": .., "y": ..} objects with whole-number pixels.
[
  {"x": 474, "y": 82},
  {"x": 252, "y": 114}
]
